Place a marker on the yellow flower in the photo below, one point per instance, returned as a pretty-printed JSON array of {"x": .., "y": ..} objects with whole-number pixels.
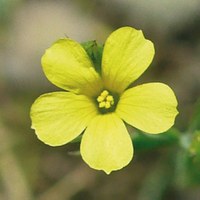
[{"x": 97, "y": 104}]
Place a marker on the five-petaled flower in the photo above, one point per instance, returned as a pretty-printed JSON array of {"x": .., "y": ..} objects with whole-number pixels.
[{"x": 96, "y": 104}]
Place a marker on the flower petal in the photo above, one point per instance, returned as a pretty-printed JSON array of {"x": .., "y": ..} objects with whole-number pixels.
[
  {"x": 106, "y": 144},
  {"x": 59, "y": 117},
  {"x": 67, "y": 65},
  {"x": 149, "y": 107},
  {"x": 126, "y": 55}
]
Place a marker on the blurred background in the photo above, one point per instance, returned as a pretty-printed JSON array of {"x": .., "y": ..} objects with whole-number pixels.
[{"x": 31, "y": 170}]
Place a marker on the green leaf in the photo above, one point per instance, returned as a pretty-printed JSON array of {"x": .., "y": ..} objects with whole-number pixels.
[
  {"x": 187, "y": 170},
  {"x": 77, "y": 139},
  {"x": 195, "y": 122},
  {"x": 156, "y": 182},
  {"x": 188, "y": 162},
  {"x": 195, "y": 145},
  {"x": 195, "y": 153},
  {"x": 94, "y": 51},
  {"x": 144, "y": 141}
]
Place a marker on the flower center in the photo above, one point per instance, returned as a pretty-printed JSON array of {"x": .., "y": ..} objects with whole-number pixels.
[{"x": 107, "y": 101}]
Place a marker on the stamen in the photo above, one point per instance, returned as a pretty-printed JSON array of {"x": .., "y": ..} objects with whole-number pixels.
[
  {"x": 107, "y": 104},
  {"x": 105, "y": 100},
  {"x": 100, "y": 99},
  {"x": 102, "y": 104},
  {"x": 104, "y": 93},
  {"x": 109, "y": 98}
]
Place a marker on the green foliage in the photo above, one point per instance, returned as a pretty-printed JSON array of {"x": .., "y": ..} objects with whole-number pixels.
[
  {"x": 187, "y": 165},
  {"x": 195, "y": 145},
  {"x": 195, "y": 122},
  {"x": 94, "y": 51},
  {"x": 187, "y": 169},
  {"x": 144, "y": 141}
]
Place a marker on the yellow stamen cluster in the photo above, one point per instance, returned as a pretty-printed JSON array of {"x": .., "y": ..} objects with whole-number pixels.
[{"x": 105, "y": 100}]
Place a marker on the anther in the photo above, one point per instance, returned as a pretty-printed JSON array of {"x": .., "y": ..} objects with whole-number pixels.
[
  {"x": 100, "y": 98},
  {"x": 109, "y": 98},
  {"x": 104, "y": 93},
  {"x": 105, "y": 100},
  {"x": 102, "y": 104},
  {"x": 107, "y": 104}
]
